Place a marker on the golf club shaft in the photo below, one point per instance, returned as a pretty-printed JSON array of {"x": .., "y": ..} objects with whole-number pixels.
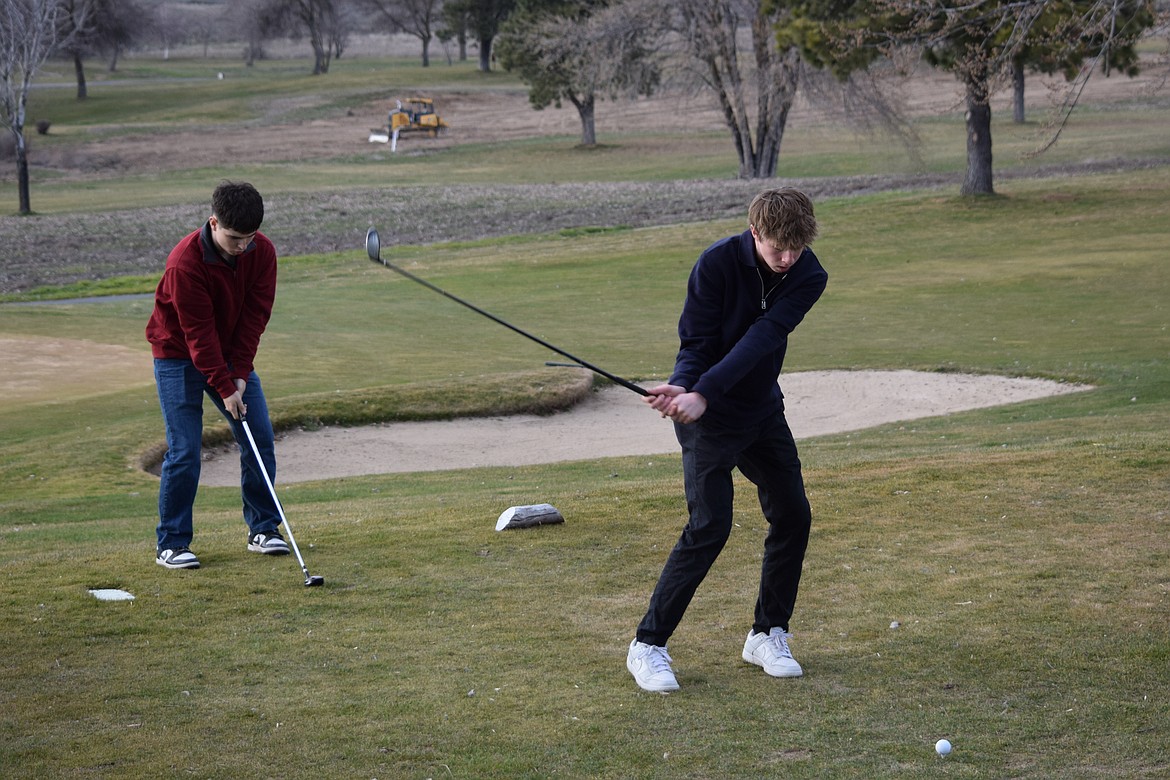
[
  {"x": 611, "y": 377},
  {"x": 275, "y": 500}
]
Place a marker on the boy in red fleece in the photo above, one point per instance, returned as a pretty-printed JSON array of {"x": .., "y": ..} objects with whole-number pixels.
[{"x": 210, "y": 308}]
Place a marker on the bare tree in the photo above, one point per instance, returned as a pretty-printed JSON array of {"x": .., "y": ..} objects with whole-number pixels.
[
  {"x": 77, "y": 34},
  {"x": 581, "y": 51},
  {"x": 767, "y": 74},
  {"x": 341, "y": 25},
  {"x": 318, "y": 19},
  {"x": 481, "y": 18},
  {"x": 92, "y": 27},
  {"x": 29, "y": 34},
  {"x": 259, "y": 21},
  {"x": 418, "y": 18},
  {"x": 125, "y": 26},
  {"x": 171, "y": 27},
  {"x": 456, "y": 22}
]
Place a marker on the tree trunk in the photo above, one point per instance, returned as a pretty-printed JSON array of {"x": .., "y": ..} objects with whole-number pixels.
[
  {"x": 1018, "y": 91},
  {"x": 978, "y": 178},
  {"x": 777, "y": 76},
  {"x": 426, "y": 52},
  {"x": 585, "y": 110},
  {"x": 485, "y": 55},
  {"x": 22, "y": 173},
  {"x": 79, "y": 69},
  {"x": 321, "y": 53},
  {"x": 768, "y": 156}
]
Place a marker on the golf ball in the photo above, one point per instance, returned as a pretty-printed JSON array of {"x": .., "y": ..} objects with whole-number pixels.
[{"x": 942, "y": 747}]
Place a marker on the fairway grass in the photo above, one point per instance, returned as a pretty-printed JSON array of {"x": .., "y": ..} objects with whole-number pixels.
[{"x": 1021, "y": 551}]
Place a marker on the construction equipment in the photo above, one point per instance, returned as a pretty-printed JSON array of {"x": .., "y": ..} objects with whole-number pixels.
[{"x": 418, "y": 115}]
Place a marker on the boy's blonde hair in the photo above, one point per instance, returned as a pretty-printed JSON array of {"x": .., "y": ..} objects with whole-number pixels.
[{"x": 784, "y": 218}]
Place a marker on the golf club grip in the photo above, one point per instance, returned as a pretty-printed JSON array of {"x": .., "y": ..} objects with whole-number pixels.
[{"x": 611, "y": 377}]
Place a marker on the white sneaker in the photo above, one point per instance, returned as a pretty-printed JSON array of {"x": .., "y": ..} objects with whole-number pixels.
[
  {"x": 180, "y": 558},
  {"x": 650, "y": 666},
  {"x": 771, "y": 652},
  {"x": 268, "y": 543}
]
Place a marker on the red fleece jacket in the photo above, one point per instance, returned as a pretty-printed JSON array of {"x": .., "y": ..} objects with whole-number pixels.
[{"x": 213, "y": 314}]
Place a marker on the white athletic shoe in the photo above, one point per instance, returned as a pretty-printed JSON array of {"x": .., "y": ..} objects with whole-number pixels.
[
  {"x": 650, "y": 666},
  {"x": 180, "y": 558},
  {"x": 268, "y": 543},
  {"x": 771, "y": 652}
]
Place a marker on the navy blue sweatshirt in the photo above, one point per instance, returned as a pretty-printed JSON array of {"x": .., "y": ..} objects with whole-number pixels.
[{"x": 734, "y": 328}]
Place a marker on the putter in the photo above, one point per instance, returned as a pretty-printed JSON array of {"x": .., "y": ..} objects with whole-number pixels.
[
  {"x": 374, "y": 250},
  {"x": 311, "y": 580}
]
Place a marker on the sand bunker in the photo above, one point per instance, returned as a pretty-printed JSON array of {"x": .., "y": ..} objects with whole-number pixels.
[{"x": 615, "y": 422}]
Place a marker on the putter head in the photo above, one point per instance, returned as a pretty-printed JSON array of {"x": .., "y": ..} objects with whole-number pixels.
[
  {"x": 314, "y": 580},
  {"x": 373, "y": 245}
]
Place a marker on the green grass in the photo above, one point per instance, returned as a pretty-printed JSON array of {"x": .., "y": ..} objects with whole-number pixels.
[{"x": 1022, "y": 550}]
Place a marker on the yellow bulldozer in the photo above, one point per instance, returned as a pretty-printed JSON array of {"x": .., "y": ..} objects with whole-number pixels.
[{"x": 417, "y": 116}]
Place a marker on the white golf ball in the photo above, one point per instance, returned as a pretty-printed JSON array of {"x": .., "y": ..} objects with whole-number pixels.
[{"x": 942, "y": 747}]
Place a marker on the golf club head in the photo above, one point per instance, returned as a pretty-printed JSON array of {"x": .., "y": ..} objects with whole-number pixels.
[
  {"x": 314, "y": 581},
  {"x": 373, "y": 245}
]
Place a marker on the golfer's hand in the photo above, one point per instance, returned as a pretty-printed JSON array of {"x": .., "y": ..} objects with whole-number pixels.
[
  {"x": 234, "y": 403},
  {"x": 676, "y": 403},
  {"x": 662, "y": 396},
  {"x": 687, "y": 408}
]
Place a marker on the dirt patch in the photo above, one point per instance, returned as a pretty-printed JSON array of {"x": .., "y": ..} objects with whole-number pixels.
[
  {"x": 615, "y": 422},
  {"x": 42, "y": 368}
]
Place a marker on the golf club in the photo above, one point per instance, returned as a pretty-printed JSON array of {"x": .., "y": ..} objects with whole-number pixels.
[
  {"x": 374, "y": 250},
  {"x": 310, "y": 580}
]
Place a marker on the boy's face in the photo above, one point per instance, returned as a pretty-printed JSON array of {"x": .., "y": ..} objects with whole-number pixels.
[
  {"x": 779, "y": 259},
  {"x": 228, "y": 241}
]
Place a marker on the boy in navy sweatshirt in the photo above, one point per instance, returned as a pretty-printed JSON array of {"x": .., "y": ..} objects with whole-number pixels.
[
  {"x": 210, "y": 309},
  {"x": 745, "y": 295}
]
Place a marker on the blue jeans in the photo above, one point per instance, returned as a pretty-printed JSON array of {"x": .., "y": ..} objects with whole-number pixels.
[
  {"x": 766, "y": 455},
  {"x": 180, "y": 393}
]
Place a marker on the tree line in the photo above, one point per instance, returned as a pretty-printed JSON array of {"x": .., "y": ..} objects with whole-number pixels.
[{"x": 751, "y": 56}]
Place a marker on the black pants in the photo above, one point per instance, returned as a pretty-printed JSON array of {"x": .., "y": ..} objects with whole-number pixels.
[{"x": 766, "y": 455}]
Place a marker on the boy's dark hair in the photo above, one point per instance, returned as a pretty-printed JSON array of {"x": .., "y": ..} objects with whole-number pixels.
[
  {"x": 784, "y": 217},
  {"x": 238, "y": 207}
]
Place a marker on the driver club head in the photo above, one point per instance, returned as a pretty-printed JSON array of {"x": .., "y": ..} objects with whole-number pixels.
[
  {"x": 314, "y": 580},
  {"x": 373, "y": 245}
]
